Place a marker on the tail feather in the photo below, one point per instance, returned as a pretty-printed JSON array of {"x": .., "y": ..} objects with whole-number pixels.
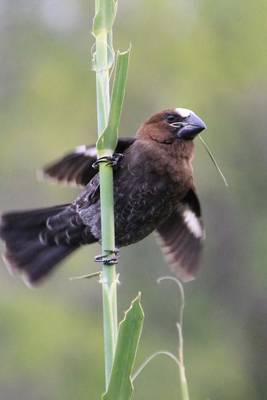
[
  {"x": 21, "y": 254},
  {"x": 43, "y": 264},
  {"x": 29, "y": 219},
  {"x": 33, "y": 246}
]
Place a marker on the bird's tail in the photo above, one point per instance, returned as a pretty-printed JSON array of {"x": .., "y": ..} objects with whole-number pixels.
[{"x": 37, "y": 240}]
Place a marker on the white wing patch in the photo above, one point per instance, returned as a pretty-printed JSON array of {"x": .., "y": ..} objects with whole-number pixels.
[
  {"x": 184, "y": 112},
  {"x": 87, "y": 151},
  {"x": 80, "y": 149},
  {"x": 192, "y": 223}
]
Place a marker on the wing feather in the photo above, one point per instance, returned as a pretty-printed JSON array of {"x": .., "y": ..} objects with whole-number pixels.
[
  {"x": 76, "y": 168},
  {"x": 181, "y": 237}
]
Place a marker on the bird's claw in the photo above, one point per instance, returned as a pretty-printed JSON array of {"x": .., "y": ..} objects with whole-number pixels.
[
  {"x": 112, "y": 258},
  {"x": 108, "y": 160}
]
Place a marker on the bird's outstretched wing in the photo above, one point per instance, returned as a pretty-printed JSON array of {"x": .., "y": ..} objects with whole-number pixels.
[
  {"x": 181, "y": 237},
  {"x": 76, "y": 168}
]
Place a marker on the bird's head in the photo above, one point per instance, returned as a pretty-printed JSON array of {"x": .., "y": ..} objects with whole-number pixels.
[{"x": 171, "y": 124}]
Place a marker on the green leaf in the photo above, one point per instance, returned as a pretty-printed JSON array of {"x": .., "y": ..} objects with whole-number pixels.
[
  {"x": 105, "y": 16},
  {"x": 130, "y": 329},
  {"x": 108, "y": 139}
]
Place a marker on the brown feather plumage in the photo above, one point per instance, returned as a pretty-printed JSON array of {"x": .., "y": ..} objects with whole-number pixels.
[{"x": 153, "y": 191}]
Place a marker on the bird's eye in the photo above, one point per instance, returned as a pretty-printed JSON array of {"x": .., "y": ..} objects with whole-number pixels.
[{"x": 170, "y": 118}]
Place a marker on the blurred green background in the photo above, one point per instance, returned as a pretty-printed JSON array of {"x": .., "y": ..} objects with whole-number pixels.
[{"x": 207, "y": 55}]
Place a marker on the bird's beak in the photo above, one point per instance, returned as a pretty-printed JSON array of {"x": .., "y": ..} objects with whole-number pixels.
[{"x": 190, "y": 127}]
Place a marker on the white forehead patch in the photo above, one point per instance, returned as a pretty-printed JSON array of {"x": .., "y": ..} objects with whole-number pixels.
[
  {"x": 193, "y": 223},
  {"x": 183, "y": 112}
]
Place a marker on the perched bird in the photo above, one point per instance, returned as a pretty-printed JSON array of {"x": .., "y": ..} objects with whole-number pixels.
[{"x": 153, "y": 191}]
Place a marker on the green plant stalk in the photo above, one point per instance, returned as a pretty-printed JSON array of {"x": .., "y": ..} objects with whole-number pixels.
[
  {"x": 184, "y": 385},
  {"x": 109, "y": 276}
]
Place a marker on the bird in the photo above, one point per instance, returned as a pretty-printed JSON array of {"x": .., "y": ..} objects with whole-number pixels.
[{"x": 154, "y": 191}]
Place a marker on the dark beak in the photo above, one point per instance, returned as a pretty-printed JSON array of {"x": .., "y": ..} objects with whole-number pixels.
[{"x": 190, "y": 127}]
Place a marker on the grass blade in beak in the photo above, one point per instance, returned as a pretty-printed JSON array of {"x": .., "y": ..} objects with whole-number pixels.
[{"x": 213, "y": 160}]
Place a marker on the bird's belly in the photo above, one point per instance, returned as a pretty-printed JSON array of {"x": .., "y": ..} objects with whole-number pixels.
[
  {"x": 135, "y": 220},
  {"x": 141, "y": 203}
]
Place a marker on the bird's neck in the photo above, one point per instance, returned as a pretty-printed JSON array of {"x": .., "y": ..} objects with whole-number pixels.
[{"x": 171, "y": 160}]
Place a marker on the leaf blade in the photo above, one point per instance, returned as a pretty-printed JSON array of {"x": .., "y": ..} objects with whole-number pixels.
[
  {"x": 120, "y": 386},
  {"x": 108, "y": 139}
]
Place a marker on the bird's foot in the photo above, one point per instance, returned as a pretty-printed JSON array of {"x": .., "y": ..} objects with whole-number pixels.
[
  {"x": 111, "y": 258},
  {"x": 108, "y": 160}
]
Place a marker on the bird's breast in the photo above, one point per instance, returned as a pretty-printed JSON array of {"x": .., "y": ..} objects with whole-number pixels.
[{"x": 145, "y": 195}]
